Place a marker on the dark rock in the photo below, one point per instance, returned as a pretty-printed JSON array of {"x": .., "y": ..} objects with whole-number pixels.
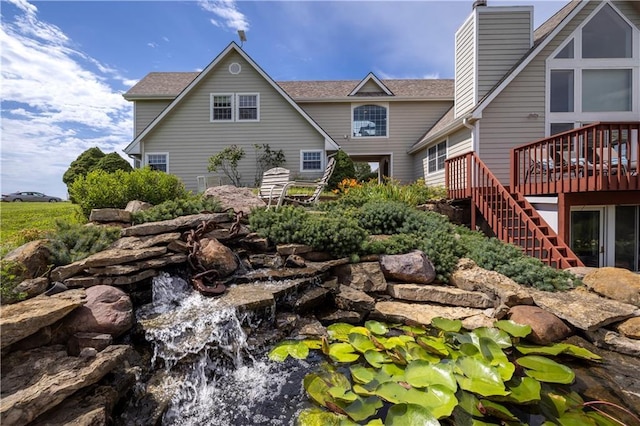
[
  {"x": 310, "y": 299},
  {"x": 413, "y": 267},
  {"x": 272, "y": 261},
  {"x": 546, "y": 328},
  {"x": 79, "y": 341},
  {"x": 338, "y": 315},
  {"x": 32, "y": 287},
  {"x": 350, "y": 299},
  {"x": 294, "y": 261},
  {"x": 366, "y": 276}
]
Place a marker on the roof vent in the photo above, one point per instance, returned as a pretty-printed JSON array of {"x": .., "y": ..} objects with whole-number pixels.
[{"x": 479, "y": 3}]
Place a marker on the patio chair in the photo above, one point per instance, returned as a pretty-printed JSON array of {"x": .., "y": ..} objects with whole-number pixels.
[
  {"x": 274, "y": 181},
  {"x": 319, "y": 186},
  {"x": 541, "y": 165}
]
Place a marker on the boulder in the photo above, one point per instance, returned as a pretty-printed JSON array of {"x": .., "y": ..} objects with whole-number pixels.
[
  {"x": 439, "y": 294},
  {"x": 310, "y": 299},
  {"x": 615, "y": 283},
  {"x": 32, "y": 287},
  {"x": 23, "y": 319},
  {"x": 414, "y": 313},
  {"x": 172, "y": 225},
  {"x": 232, "y": 197},
  {"x": 630, "y": 328},
  {"x": 546, "y": 328},
  {"x": 34, "y": 382},
  {"x": 311, "y": 328},
  {"x": 413, "y": 267},
  {"x": 215, "y": 255},
  {"x": 583, "y": 310},
  {"x": 34, "y": 255},
  {"x": 135, "y": 206},
  {"x": 350, "y": 299},
  {"x": 110, "y": 215},
  {"x": 294, "y": 261},
  {"x": 366, "y": 276},
  {"x": 108, "y": 310},
  {"x": 502, "y": 289}
]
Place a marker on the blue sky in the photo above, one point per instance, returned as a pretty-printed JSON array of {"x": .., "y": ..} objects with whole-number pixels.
[{"x": 65, "y": 65}]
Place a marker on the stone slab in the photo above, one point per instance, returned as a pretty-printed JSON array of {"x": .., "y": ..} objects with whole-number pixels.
[
  {"x": 440, "y": 294},
  {"x": 414, "y": 313}
]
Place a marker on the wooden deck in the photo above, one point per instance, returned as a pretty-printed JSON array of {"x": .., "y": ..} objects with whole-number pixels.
[{"x": 598, "y": 157}]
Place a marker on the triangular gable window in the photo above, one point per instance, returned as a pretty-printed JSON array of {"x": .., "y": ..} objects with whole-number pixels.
[
  {"x": 371, "y": 86},
  {"x": 566, "y": 52},
  {"x": 606, "y": 35}
]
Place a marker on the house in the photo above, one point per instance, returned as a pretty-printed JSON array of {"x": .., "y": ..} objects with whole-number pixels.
[{"x": 516, "y": 134}]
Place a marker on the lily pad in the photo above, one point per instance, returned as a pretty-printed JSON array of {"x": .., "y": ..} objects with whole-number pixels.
[
  {"x": 339, "y": 331},
  {"x": 413, "y": 331},
  {"x": 376, "y": 359},
  {"x": 446, "y": 324},
  {"x": 343, "y": 352},
  {"x": 361, "y": 374},
  {"x": 421, "y": 374},
  {"x": 434, "y": 345},
  {"x": 524, "y": 390},
  {"x": 500, "y": 337},
  {"x": 410, "y": 415},
  {"x": 497, "y": 410},
  {"x": 361, "y": 343},
  {"x": 513, "y": 328},
  {"x": 393, "y": 371},
  {"x": 376, "y": 327},
  {"x": 479, "y": 377},
  {"x": 317, "y": 417},
  {"x": 546, "y": 370},
  {"x": 468, "y": 402},
  {"x": 497, "y": 358},
  {"x": 316, "y": 388},
  {"x": 297, "y": 349},
  {"x": 363, "y": 408}
]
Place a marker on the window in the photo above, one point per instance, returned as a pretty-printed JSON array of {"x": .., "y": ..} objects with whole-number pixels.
[
  {"x": 436, "y": 156},
  {"x": 310, "y": 161},
  {"x": 560, "y": 127},
  {"x": 158, "y": 161},
  {"x": 606, "y": 90},
  {"x": 235, "y": 107},
  {"x": 562, "y": 91},
  {"x": 221, "y": 107},
  {"x": 248, "y": 107},
  {"x": 595, "y": 74},
  {"x": 369, "y": 121}
]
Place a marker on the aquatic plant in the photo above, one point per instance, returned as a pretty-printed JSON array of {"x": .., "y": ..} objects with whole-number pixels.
[{"x": 404, "y": 375}]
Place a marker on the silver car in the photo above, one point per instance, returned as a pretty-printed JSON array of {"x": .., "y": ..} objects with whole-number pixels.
[{"x": 30, "y": 196}]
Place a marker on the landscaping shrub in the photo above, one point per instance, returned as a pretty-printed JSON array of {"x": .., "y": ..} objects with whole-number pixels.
[
  {"x": 175, "y": 208},
  {"x": 99, "y": 189},
  {"x": 10, "y": 276},
  {"x": 282, "y": 226},
  {"x": 344, "y": 169},
  {"x": 340, "y": 236},
  {"x": 391, "y": 190},
  {"x": 72, "y": 242},
  {"x": 384, "y": 218}
]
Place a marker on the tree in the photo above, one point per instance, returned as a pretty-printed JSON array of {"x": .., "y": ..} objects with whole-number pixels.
[
  {"x": 112, "y": 162},
  {"x": 364, "y": 173},
  {"x": 227, "y": 160},
  {"x": 267, "y": 160},
  {"x": 344, "y": 169},
  {"x": 82, "y": 165}
]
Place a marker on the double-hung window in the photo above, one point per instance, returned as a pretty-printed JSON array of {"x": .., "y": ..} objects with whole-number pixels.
[
  {"x": 436, "y": 156},
  {"x": 235, "y": 107},
  {"x": 158, "y": 161},
  {"x": 595, "y": 74},
  {"x": 310, "y": 161}
]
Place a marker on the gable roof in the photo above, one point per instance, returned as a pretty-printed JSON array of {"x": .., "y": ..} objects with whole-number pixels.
[
  {"x": 160, "y": 85},
  {"x": 371, "y": 77},
  {"x": 135, "y": 144}
]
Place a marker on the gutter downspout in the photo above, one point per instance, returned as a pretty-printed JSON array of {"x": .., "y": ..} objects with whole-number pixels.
[{"x": 467, "y": 123}]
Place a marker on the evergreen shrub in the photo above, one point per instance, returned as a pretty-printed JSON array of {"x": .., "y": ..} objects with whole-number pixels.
[
  {"x": 344, "y": 169},
  {"x": 71, "y": 242},
  {"x": 340, "y": 236},
  {"x": 282, "y": 226},
  {"x": 11, "y": 274},
  {"x": 179, "y": 207}
]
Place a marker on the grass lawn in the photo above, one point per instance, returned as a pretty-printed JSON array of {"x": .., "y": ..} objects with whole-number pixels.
[{"x": 19, "y": 222}]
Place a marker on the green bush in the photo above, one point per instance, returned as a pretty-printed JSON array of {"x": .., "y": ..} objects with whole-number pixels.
[
  {"x": 99, "y": 189},
  {"x": 10, "y": 276},
  {"x": 282, "y": 226},
  {"x": 384, "y": 218},
  {"x": 175, "y": 208},
  {"x": 391, "y": 190},
  {"x": 72, "y": 242},
  {"x": 340, "y": 236},
  {"x": 227, "y": 160},
  {"x": 344, "y": 169}
]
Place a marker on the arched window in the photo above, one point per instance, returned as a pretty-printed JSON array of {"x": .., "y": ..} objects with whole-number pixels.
[{"x": 369, "y": 121}]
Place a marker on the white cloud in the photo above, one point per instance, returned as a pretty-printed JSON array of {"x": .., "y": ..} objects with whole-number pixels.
[
  {"x": 152, "y": 45},
  {"x": 57, "y": 102},
  {"x": 226, "y": 10}
]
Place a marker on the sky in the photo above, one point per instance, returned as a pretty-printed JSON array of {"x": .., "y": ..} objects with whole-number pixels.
[{"x": 66, "y": 64}]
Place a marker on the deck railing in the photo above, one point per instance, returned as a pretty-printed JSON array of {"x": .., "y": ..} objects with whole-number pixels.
[
  {"x": 597, "y": 157},
  {"x": 511, "y": 217}
]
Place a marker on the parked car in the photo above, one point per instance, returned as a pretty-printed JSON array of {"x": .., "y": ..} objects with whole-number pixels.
[{"x": 30, "y": 196}]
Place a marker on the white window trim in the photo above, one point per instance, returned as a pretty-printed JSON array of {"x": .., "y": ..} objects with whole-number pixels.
[
  {"x": 446, "y": 155},
  {"x": 577, "y": 64},
  {"x": 211, "y": 96},
  {"x": 147, "y": 154},
  {"x": 237, "y": 108},
  {"x": 380, "y": 104},
  {"x": 322, "y": 160}
]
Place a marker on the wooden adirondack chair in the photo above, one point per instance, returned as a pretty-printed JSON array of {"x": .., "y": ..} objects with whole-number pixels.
[
  {"x": 274, "y": 182},
  {"x": 319, "y": 186}
]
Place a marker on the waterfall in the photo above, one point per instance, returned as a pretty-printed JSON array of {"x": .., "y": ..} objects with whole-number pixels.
[{"x": 211, "y": 376}]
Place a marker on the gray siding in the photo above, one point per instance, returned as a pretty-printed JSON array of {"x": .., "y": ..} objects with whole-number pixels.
[
  {"x": 189, "y": 137},
  {"x": 465, "y": 67},
  {"x": 408, "y": 121},
  {"x": 504, "y": 36},
  {"x": 146, "y": 111},
  {"x": 458, "y": 143},
  {"x": 370, "y": 87},
  {"x": 506, "y": 123}
]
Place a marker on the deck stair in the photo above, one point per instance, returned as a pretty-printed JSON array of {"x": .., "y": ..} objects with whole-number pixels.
[{"x": 510, "y": 216}]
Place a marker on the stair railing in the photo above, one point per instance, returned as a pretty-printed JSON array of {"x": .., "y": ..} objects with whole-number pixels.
[{"x": 513, "y": 221}]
